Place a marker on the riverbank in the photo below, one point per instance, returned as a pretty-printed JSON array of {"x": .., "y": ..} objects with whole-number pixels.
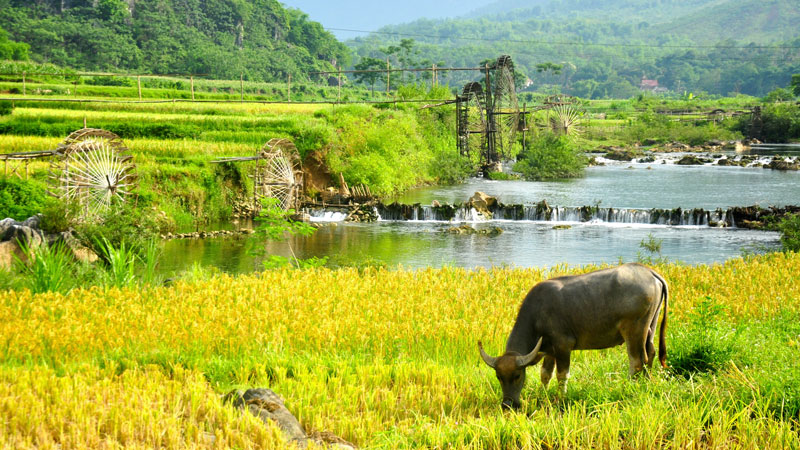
[{"x": 391, "y": 360}]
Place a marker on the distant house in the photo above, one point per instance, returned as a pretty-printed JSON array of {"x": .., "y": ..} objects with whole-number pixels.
[{"x": 651, "y": 86}]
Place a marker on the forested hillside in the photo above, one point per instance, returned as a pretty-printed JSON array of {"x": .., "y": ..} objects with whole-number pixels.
[
  {"x": 221, "y": 38},
  {"x": 603, "y": 48}
]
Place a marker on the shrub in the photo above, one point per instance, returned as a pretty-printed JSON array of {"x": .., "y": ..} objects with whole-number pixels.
[
  {"x": 550, "y": 157},
  {"x": 20, "y": 199},
  {"x": 6, "y": 107},
  {"x": 790, "y": 232},
  {"x": 122, "y": 223},
  {"x": 706, "y": 345}
]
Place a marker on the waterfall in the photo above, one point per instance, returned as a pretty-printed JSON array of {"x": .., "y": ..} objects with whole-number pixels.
[{"x": 575, "y": 214}]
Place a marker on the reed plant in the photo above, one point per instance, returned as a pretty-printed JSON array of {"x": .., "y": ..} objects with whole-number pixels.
[
  {"x": 44, "y": 268},
  {"x": 120, "y": 263}
]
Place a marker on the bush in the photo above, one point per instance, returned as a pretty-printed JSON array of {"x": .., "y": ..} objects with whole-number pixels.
[
  {"x": 550, "y": 157},
  {"x": 20, "y": 199},
  {"x": 706, "y": 345},
  {"x": 6, "y": 108},
  {"x": 121, "y": 224},
  {"x": 790, "y": 232}
]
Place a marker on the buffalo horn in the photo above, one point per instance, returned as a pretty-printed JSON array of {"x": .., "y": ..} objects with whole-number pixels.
[
  {"x": 489, "y": 360},
  {"x": 523, "y": 361}
]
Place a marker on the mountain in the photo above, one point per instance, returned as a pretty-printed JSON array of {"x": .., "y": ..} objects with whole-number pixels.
[
  {"x": 604, "y": 48},
  {"x": 258, "y": 39}
]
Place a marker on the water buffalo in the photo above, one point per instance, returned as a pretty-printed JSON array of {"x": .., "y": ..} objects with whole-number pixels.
[{"x": 595, "y": 310}]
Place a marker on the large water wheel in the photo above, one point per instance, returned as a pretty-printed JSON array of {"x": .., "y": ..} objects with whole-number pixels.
[
  {"x": 472, "y": 124},
  {"x": 504, "y": 114},
  {"x": 278, "y": 174},
  {"x": 92, "y": 167}
]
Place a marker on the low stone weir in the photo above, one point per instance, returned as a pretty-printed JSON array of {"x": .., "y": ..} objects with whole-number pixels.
[{"x": 541, "y": 212}]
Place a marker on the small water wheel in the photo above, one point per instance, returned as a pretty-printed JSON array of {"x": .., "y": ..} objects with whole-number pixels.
[
  {"x": 504, "y": 114},
  {"x": 278, "y": 174},
  {"x": 93, "y": 168},
  {"x": 471, "y": 118},
  {"x": 564, "y": 115}
]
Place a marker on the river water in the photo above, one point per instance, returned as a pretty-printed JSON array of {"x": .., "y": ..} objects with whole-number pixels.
[{"x": 525, "y": 243}]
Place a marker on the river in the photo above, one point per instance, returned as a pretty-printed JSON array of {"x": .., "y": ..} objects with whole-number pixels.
[{"x": 524, "y": 243}]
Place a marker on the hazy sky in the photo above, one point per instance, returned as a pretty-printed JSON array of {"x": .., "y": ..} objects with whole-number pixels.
[{"x": 372, "y": 14}]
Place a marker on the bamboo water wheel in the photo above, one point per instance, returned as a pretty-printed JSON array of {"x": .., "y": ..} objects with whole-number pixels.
[
  {"x": 278, "y": 174},
  {"x": 504, "y": 115},
  {"x": 565, "y": 115},
  {"x": 472, "y": 124},
  {"x": 93, "y": 168}
]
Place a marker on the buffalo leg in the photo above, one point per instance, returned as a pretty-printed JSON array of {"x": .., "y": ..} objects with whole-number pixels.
[
  {"x": 562, "y": 370},
  {"x": 651, "y": 334},
  {"x": 635, "y": 343},
  {"x": 548, "y": 363}
]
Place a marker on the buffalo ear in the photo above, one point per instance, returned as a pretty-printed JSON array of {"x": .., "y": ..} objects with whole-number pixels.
[
  {"x": 490, "y": 361},
  {"x": 524, "y": 361}
]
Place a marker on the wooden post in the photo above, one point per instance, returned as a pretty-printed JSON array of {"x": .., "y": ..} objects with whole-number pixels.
[
  {"x": 388, "y": 75},
  {"x": 138, "y": 85},
  {"x": 24, "y": 84},
  {"x": 289, "y": 89},
  {"x": 241, "y": 85},
  {"x": 339, "y": 92},
  {"x": 433, "y": 76},
  {"x": 191, "y": 80},
  {"x": 524, "y": 124}
]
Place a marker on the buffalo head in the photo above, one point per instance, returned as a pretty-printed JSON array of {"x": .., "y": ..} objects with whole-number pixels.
[{"x": 510, "y": 371}]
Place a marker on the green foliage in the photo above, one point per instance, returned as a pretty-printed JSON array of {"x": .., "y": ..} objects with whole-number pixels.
[
  {"x": 651, "y": 245},
  {"x": 790, "y": 232},
  {"x": 47, "y": 268},
  {"x": 527, "y": 31},
  {"x": 781, "y": 123},
  {"x": 660, "y": 128},
  {"x": 795, "y": 84},
  {"x": 548, "y": 157},
  {"x": 277, "y": 224},
  {"x": 120, "y": 263},
  {"x": 123, "y": 225},
  {"x": 6, "y": 107},
  {"x": 707, "y": 344},
  {"x": 20, "y": 199},
  {"x": 779, "y": 95},
  {"x": 256, "y": 39},
  {"x": 10, "y": 50}
]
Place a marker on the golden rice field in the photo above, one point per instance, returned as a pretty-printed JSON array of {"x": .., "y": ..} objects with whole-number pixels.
[{"x": 388, "y": 359}]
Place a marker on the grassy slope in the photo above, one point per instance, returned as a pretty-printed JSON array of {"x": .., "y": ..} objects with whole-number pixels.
[
  {"x": 388, "y": 358},
  {"x": 173, "y": 143}
]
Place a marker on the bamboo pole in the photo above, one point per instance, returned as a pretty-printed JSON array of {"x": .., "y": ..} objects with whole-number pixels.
[
  {"x": 339, "y": 91},
  {"x": 289, "y": 89},
  {"x": 433, "y": 76},
  {"x": 24, "y": 84},
  {"x": 138, "y": 85},
  {"x": 191, "y": 80},
  {"x": 241, "y": 86},
  {"x": 388, "y": 75}
]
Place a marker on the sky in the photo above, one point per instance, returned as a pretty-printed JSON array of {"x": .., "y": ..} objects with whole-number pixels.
[{"x": 370, "y": 15}]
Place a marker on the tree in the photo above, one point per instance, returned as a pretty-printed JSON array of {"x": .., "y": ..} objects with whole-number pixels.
[
  {"x": 369, "y": 63},
  {"x": 796, "y": 84}
]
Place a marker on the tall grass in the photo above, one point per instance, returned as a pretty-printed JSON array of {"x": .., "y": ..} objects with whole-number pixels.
[
  {"x": 120, "y": 263},
  {"x": 45, "y": 268}
]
